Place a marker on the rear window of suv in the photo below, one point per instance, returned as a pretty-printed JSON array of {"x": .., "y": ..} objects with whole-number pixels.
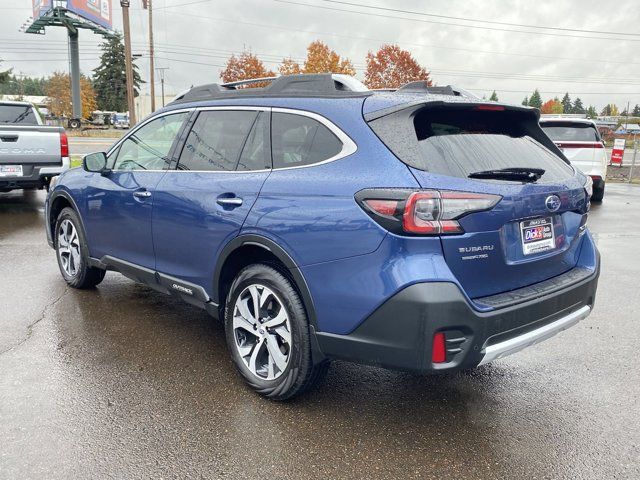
[
  {"x": 17, "y": 114},
  {"x": 457, "y": 142},
  {"x": 570, "y": 132}
]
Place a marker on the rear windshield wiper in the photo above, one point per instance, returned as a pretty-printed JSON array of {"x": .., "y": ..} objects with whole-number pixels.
[{"x": 513, "y": 173}]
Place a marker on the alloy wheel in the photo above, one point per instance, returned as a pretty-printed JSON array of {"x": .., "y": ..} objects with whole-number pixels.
[
  {"x": 69, "y": 248},
  {"x": 262, "y": 332}
]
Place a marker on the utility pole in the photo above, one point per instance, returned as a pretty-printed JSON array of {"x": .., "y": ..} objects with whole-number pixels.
[
  {"x": 161, "y": 72},
  {"x": 128, "y": 61},
  {"x": 147, "y": 4}
]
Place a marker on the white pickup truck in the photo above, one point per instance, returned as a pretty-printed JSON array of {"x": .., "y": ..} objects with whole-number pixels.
[{"x": 30, "y": 153}]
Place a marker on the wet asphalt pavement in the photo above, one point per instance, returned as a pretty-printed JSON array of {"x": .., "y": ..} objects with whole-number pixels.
[{"x": 123, "y": 382}]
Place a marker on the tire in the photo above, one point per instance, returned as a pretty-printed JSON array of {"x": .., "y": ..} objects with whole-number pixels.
[
  {"x": 72, "y": 252},
  {"x": 272, "y": 353},
  {"x": 74, "y": 123},
  {"x": 598, "y": 194}
]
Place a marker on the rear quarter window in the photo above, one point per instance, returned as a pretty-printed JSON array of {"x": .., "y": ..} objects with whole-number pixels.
[{"x": 299, "y": 140}]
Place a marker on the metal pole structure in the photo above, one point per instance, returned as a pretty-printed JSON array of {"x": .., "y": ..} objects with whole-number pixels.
[
  {"x": 152, "y": 81},
  {"x": 161, "y": 72},
  {"x": 633, "y": 162},
  {"x": 128, "y": 61},
  {"x": 76, "y": 98}
]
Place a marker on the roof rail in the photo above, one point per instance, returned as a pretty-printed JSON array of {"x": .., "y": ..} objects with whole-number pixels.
[{"x": 303, "y": 85}]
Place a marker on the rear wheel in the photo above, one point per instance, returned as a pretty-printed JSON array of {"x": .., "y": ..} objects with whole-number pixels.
[
  {"x": 598, "y": 193},
  {"x": 268, "y": 334},
  {"x": 72, "y": 252}
]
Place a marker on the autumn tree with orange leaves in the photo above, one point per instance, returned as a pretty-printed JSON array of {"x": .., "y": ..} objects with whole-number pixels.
[
  {"x": 552, "y": 106},
  {"x": 392, "y": 67},
  {"x": 320, "y": 59},
  {"x": 243, "y": 67}
]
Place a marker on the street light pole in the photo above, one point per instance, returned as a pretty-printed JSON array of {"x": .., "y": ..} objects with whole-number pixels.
[{"x": 128, "y": 61}]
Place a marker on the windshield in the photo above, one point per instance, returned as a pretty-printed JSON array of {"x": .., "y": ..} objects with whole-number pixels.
[
  {"x": 17, "y": 114},
  {"x": 570, "y": 132}
]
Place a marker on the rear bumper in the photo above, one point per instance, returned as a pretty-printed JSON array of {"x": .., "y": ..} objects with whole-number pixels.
[
  {"x": 399, "y": 334},
  {"x": 35, "y": 176}
]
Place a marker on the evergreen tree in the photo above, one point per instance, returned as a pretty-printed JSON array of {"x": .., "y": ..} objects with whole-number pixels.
[
  {"x": 494, "y": 97},
  {"x": 577, "y": 106},
  {"x": 606, "y": 111},
  {"x": 110, "y": 79},
  {"x": 636, "y": 111},
  {"x": 591, "y": 112},
  {"x": 525, "y": 102},
  {"x": 4, "y": 75},
  {"x": 535, "y": 100},
  {"x": 567, "y": 106}
]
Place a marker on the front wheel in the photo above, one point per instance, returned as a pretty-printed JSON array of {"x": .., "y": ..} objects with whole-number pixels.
[
  {"x": 72, "y": 252},
  {"x": 268, "y": 334}
]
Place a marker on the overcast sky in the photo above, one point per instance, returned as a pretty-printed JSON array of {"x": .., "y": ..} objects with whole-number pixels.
[{"x": 194, "y": 38}]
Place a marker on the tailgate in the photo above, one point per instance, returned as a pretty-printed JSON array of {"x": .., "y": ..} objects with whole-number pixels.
[
  {"x": 498, "y": 251},
  {"x": 30, "y": 145}
]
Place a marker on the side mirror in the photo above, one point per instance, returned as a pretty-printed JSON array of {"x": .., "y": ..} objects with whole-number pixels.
[{"x": 96, "y": 163}]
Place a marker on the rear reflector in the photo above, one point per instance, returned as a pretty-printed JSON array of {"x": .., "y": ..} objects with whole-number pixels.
[
  {"x": 438, "y": 350},
  {"x": 64, "y": 145}
]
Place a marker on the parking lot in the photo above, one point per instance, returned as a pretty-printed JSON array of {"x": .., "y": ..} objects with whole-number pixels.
[{"x": 124, "y": 382}]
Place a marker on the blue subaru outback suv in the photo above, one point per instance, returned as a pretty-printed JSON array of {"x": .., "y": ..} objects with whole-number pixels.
[{"x": 420, "y": 229}]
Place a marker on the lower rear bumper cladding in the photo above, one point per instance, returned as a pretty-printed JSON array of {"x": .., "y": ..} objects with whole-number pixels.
[{"x": 399, "y": 334}]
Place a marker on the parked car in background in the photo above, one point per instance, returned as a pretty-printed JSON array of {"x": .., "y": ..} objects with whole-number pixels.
[
  {"x": 580, "y": 141},
  {"x": 421, "y": 230},
  {"x": 30, "y": 153},
  {"x": 120, "y": 120}
]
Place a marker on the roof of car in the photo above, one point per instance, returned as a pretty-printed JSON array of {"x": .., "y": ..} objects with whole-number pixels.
[
  {"x": 13, "y": 102},
  {"x": 566, "y": 120},
  {"x": 330, "y": 87}
]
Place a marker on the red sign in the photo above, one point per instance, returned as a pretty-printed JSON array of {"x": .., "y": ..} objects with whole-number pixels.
[{"x": 618, "y": 152}]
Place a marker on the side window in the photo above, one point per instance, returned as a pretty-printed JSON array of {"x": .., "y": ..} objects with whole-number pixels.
[
  {"x": 298, "y": 140},
  {"x": 256, "y": 151},
  {"x": 216, "y": 140},
  {"x": 148, "y": 147}
]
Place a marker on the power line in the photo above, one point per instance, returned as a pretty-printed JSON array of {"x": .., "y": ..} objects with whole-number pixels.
[
  {"x": 394, "y": 17},
  {"x": 466, "y": 19}
]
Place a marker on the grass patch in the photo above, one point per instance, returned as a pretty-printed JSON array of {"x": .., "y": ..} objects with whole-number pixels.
[{"x": 76, "y": 161}]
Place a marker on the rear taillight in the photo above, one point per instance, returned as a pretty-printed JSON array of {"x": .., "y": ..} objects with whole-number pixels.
[
  {"x": 64, "y": 145},
  {"x": 579, "y": 145},
  {"x": 425, "y": 212}
]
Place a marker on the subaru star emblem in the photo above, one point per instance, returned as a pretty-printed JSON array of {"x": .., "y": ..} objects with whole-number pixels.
[{"x": 553, "y": 203}]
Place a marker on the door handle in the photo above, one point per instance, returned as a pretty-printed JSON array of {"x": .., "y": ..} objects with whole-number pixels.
[
  {"x": 142, "y": 194},
  {"x": 229, "y": 202}
]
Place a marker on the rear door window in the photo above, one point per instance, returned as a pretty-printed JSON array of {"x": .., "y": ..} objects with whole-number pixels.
[
  {"x": 216, "y": 140},
  {"x": 300, "y": 140},
  {"x": 570, "y": 132}
]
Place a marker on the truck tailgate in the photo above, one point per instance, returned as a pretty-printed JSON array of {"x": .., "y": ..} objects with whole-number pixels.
[{"x": 33, "y": 145}]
